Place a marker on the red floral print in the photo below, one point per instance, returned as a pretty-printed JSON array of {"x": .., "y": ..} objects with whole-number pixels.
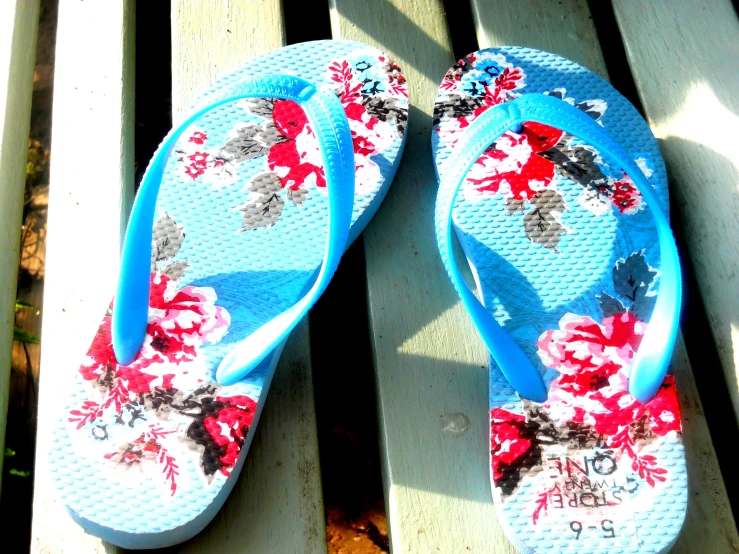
[
  {"x": 294, "y": 156},
  {"x": 521, "y": 165},
  {"x": 198, "y": 137},
  {"x": 180, "y": 321},
  {"x": 148, "y": 447},
  {"x": 509, "y": 440},
  {"x": 195, "y": 161},
  {"x": 591, "y": 396},
  {"x": 512, "y": 165},
  {"x": 626, "y": 197},
  {"x": 229, "y": 428},
  {"x": 297, "y": 158}
]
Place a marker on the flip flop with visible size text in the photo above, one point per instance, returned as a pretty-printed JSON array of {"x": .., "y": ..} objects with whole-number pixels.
[{"x": 557, "y": 192}]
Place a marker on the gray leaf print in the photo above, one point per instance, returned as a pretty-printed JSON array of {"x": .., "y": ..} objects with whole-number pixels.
[
  {"x": 594, "y": 108},
  {"x": 578, "y": 163},
  {"x": 542, "y": 224},
  {"x": 456, "y": 106},
  {"x": 167, "y": 237},
  {"x": 297, "y": 196},
  {"x": 549, "y": 200},
  {"x": 388, "y": 110},
  {"x": 251, "y": 141},
  {"x": 175, "y": 270},
  {"x": 610, "y": 305},
  {"x": 643, "y": 306},
  {"x": 262, "y": 107},
  {"x": 513, "y": 206},
  {"x": 632, "y": 277},
  {"x": 265, "y": 210}
]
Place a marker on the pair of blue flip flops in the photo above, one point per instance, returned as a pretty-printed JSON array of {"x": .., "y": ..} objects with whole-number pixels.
[{"x": 556, "y": 190}]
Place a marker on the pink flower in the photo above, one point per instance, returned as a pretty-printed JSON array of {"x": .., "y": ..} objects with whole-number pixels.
[
  {"x": 593, "y": 360},
  {"x": 180, "y": 322}
]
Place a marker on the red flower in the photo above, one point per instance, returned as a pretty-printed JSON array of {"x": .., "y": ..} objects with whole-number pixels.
[
  {"x": 664, "y": 411},
  {"x": 512, "y": 165},
  {"x": 510, "y": 440},
  {"x": 593, "y": 360},
  {"x": 180, "y": 321},
  {"x": 230, "y": 427},
  {"x": 626, "y": 197},
  {"x": 198, "y": 137},
  {"x": 298, "y": 158},
  {"x": 199, "y": 159},
  {"x": 194, "y": 171},
  {"x": 289, "y": 118},
  {"x": 509, "y": 78}
]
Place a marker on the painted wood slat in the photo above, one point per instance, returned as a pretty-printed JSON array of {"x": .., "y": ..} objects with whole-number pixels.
[
  {"x": 90, "y": 194},
  {"x": 684, "y": 59},
  {"x": 277, "y": 505},
  {"x": 432, "y": 378},
  {"x": 18, "y": 28},
  {"x": 566, "y": 29}
]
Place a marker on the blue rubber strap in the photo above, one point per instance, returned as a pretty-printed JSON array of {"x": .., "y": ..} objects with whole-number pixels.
[
  {"x": 653, "y": 356},
  {"x": 331, "y": 127}
]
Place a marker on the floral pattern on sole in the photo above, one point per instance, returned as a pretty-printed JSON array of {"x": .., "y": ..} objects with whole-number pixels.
[
  {"x": 566, "y": 258},
  {"x": 145, "y": 454},
  {"x": 374, "y": 95},
  {"x": 520, "y": 166}
]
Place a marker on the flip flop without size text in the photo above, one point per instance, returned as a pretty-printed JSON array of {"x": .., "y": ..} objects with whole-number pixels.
[
  {"x": 252, "y": 200},
  {"x": 557, "y": 192}
]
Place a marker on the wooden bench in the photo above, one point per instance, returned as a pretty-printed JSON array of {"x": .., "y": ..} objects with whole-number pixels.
[
  {"x": 18, "y": 26},
  {"x": 431, "y": 367}
]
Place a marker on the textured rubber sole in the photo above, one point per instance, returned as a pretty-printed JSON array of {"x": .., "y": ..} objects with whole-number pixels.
[
  {"x": 566, "y": 255},
  {"x": 145, "y": 455}
]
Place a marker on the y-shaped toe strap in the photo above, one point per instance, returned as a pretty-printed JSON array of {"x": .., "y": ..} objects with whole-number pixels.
[
  {"x": 331, "y": 127},
  {"x": 653, "y": 356}
]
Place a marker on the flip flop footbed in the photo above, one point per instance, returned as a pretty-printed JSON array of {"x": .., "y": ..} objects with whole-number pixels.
[
  {"x": 144, "y": 454},
  {"x": 565, "y": 253}
]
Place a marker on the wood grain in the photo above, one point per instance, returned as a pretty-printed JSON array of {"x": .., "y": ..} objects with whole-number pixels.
[
  {"x": 18, "y": 28},
  {"x": 684, "y": 56},
  {"x": 211, "y": 38},
  {"x": 564, "y": 28},
  {"x": 90, "y": 196},
  {"x": 277, "y": 505}
]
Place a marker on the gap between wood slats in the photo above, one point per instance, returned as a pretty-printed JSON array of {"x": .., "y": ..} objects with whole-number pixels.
[
  {"x": 153, "y": 80},
  {"x": 341, "y": 354},
  {"x": 461, "y": 26},
  {"x": 699, "y": 343}
]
